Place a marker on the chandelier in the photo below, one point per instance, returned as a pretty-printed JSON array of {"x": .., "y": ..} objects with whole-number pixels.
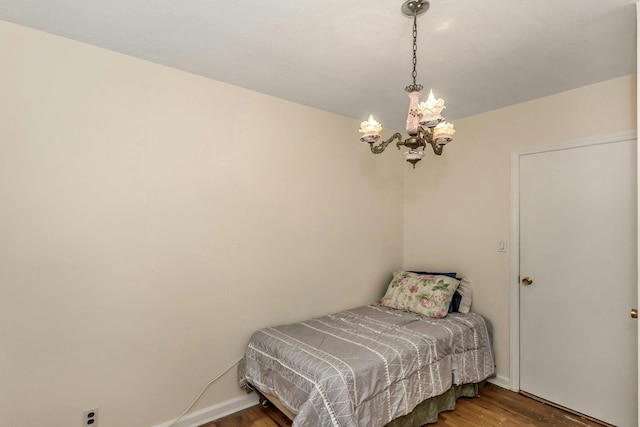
[{"x": 425, "y": 124}]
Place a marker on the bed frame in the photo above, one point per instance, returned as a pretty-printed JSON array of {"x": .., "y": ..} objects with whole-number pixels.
[{"x": 266, "y": 399}]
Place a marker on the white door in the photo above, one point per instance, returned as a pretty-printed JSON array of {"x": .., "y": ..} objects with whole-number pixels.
[{"x": 578, "y": 342}]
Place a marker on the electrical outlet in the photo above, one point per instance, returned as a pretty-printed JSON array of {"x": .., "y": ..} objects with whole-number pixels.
[{"x": 90, "y": 418}]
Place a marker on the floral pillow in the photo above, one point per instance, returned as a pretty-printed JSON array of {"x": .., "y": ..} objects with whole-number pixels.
[{"x": 424, "y": 294}]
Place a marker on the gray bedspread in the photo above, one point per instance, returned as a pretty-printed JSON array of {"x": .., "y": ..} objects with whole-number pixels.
[{"x": 366, "y": 366}]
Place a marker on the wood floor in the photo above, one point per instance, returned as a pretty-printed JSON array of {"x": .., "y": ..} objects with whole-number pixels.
[{"x": 495, "y": 407}]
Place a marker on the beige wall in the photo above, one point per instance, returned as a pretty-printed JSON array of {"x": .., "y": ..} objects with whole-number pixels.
[
  {"x": 146, "y": 230},
  {"x": 150, "y": 220},
  {"x": 458, "y": 207}
]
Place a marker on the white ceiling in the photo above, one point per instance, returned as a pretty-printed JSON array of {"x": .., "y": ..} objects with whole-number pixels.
[{"x": 354, "y": 57}]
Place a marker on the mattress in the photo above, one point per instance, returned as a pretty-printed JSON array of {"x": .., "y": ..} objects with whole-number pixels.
[{"x": 365, "y": 366}]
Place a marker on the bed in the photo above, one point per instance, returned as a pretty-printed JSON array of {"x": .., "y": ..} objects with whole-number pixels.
[{"x": 387, "y": 364}]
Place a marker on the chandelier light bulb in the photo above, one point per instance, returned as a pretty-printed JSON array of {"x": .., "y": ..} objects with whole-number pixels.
[
  {"x": 443, "y": 133},
  {"x": 370, "y": 130},
  {"x": 432, "y": 105}
]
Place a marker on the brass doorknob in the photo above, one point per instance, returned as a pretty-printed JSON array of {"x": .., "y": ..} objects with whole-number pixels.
[
  {"x": 527, "y": 281},
  {"x": 634, "y": 313}
]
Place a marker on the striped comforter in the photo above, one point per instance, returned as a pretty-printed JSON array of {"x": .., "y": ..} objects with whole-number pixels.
[{"x": 366, "y": 366}]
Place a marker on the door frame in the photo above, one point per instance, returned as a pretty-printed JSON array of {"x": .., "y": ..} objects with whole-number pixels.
[
  {"x": 638, "y": 163},
  {"x": 514, "y": 266}
]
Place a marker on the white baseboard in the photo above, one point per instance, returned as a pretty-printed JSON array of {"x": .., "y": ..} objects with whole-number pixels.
[
  {"x": 214, "y": 412},
  {"x": 500, "y": 381}
]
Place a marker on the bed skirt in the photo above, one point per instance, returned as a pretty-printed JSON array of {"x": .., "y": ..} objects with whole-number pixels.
[{"x": 427, "y": 411}]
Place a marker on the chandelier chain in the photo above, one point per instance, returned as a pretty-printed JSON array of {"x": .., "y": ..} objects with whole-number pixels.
[
  {"x": 414, "y": 87},
  {"x": 415, "y": 46}
]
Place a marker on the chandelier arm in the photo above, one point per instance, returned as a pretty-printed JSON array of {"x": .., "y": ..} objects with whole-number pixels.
[
  {"x": 437, "y": 149},
  {"x": 377, "y": 149},
  {"x": 426, "y": 136}
]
